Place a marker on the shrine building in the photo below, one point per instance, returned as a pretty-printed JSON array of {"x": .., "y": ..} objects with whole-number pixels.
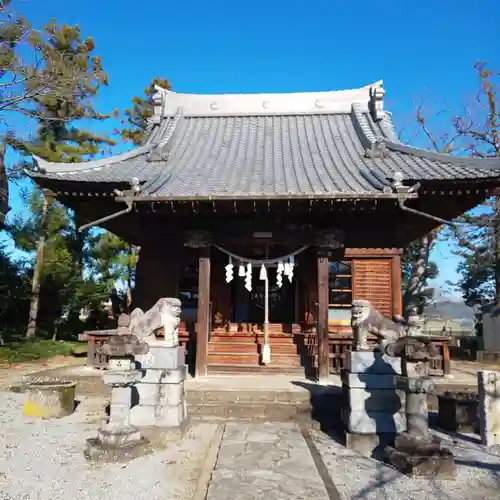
[{"x": 268, "y": 214}]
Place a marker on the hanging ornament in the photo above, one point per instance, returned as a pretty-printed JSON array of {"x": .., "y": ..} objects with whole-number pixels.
[
  {"x": 263, "y": 273},
  {"x": 279, "y": 274},
  {"x": 248, "y": 277},
  {"x": 291, "y": 267},
  {"x": 241, "y": 270},
  {"x": 229, "y": 271}
]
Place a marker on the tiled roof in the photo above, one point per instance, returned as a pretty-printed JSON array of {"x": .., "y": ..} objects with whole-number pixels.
[{"x": 332, "y": 148}]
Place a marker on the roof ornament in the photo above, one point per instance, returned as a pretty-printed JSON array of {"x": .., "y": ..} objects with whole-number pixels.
[
  {"x": 159, "y": 103},
  {"x": 377, "y": 149},
  {"x": 376, "y": 104}
]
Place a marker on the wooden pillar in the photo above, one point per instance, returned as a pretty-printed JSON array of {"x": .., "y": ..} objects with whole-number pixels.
[
  {"x": 322, "y": 328},
  {"x": 203, "y": 322},
  {"x": 397, "y": 296},
  {"x": 446, "y": 358}
]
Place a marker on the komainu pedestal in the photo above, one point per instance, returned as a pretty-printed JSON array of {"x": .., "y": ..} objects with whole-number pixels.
[
  {"x": 373, "y": 409},
  {"x": 162, "y": 401}
]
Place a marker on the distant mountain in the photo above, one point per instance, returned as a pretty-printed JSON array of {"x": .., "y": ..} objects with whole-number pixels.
[{"x": 448, "y": 309}]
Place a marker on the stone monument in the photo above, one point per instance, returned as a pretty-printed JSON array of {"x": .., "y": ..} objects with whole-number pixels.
[
  {"x": 161, "y": 395},
  {"x": 415, "y": 452},
  {"x": 119, "y": 438},
  {"x": 489, "y": 407}
]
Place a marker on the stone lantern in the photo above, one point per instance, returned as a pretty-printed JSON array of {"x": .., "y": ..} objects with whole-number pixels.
[
  {"x": 118, "y": 436},
  {"x": 415, "y": 452}
]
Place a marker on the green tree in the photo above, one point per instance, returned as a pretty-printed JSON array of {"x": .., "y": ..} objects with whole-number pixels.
[
  {"x": 14, "y": 295},
  {"x": 136, "y": 118},
  {"x": 35, "y": 63},
  {"x": 474, "y": 132},
  {"x": 417, "y": 269},
  {"x": 114, "y": 261}
]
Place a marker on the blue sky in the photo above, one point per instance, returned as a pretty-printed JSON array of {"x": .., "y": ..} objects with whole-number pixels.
[{"x": 419, "y": 49}]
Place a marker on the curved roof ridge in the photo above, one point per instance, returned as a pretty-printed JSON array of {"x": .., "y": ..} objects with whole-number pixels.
[
  {"x": 324, "y": 102},
  {"x": 48, "y": 167},
  {"x": 482, "y": 163}
]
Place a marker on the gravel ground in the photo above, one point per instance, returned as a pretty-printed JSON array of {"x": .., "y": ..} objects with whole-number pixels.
[
  {"x": 44, "y": 460},
  {"x": 356, "y": 477}
]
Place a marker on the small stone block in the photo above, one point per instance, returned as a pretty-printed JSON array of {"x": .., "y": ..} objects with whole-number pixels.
[
  {"x": 489, "y": 406},
  {"x": 120, "y": 364},
  {"x": 423, "y": 458},
  {"x": 362, "y": 422},
  {"x": 162, "y": 357},
  {"x": 366, "y": 444},
  {"x": 112, "y": 438},
  {"x": 368, "y": 380},
  {"x": 96, "y": 451},
  {"x": 372, "y": 362}
]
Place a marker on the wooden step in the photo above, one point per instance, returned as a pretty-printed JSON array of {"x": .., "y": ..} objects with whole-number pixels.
[
  {"x": 230, "y": 358},
  {"x": 233, "y": 337},
  {"x": 234, "y": 347},
  {"x": 292, "y": 361},
  {"x": 290, "y": 349}
]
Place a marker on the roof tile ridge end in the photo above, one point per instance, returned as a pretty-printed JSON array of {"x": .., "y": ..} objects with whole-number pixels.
[
  {"x": 162, "y": 148},
  {"x": 45, "y": 166}
]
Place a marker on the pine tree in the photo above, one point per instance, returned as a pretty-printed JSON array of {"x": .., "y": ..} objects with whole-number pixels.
[
  {"x": 141, "y": 111},
  {"x": 60, "y": 139}
]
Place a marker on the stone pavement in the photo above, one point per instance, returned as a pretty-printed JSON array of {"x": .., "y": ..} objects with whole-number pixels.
[
  {"x": 286, "y": 461},
  {"x": 265, "y": 460}
]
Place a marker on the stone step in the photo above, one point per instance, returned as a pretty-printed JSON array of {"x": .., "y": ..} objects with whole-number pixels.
[
  {"x": 252, "y": 411},
  {"x": 218, "y": 368}
]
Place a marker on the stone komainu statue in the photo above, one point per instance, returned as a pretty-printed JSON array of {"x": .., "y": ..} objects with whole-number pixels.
[
  {"x": 366, "y": 320},
  {"x": 166, "y": 314}
]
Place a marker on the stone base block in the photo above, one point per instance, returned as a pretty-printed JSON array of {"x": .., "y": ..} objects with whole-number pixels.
[
  {"x": 368, "y": 381},
  {"x": 160, "y": 394},
  {"x": 171, "y": 376},
  {"x": 376, "y": 400},
  {"x": 423, "y": 458},
  {"x": 367, "y": 444},
  {"x": 161, "y": 357},
  {"x": 372, "y": 362},
  {"x": 158, "y": 416},
  {"x": 375, "y": 422}
]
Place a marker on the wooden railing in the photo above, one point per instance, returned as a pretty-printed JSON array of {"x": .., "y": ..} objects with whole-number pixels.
[{"x": 339, "y": 344}]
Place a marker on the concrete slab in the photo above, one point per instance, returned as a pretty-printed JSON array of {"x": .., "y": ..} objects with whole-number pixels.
[{"x": 265, "y": 460}]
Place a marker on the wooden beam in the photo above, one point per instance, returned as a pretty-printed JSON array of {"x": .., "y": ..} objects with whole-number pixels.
[
  {"x": 203, "y": 323},
  {"x": 372, "y": 252},
  {"x": 397, "y": 295},
  {"x": 322, "y": 329}
]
